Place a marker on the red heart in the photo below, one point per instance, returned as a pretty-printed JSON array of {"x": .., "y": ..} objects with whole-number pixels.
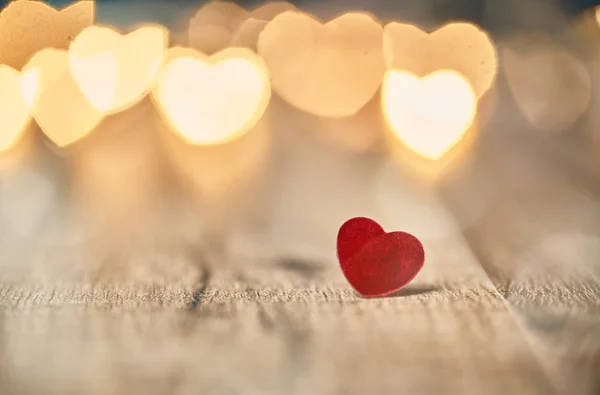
[{"x": 377, "y": 263}]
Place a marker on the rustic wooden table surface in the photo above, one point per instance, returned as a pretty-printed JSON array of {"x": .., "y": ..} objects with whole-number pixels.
[{"x": 228, "y": 284}]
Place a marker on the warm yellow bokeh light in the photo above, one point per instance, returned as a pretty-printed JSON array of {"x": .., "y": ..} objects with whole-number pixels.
[
  {"x": 247, "y": 33},
  {"x": 116, "y": 71},
  {"x": 96, "y": 75},
  {"x": 328, "y": 69},
  {"x": 115, "y": 170},
  {"x": 211, "y": 100},
  {"x": 16, "y": 96},
  {"x": 220, "y": 176},
  {"x": 212, "y": 27},
  {"x": 430, "y": 115},
  {"x": 551, "y": 87},
  {"x": 29, "y": 26},
  {"x": 456, "y": 46},
  {"x": 60, "y": 108},
  {"x": 271, "y": 9},
  {"x": 29, "y": 87}
]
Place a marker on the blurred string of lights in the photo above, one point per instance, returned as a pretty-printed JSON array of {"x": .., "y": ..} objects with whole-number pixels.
[{"x": 212, "y": 81}]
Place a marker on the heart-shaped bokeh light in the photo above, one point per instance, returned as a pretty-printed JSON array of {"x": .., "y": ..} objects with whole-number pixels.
[
  {"x": 328, "y": 69},
  {"x": 116, "y": 71},
  {"x": 29, "y": 26},
  {"x": 210, "y": 100},
  {"x": 271, "y": 9},
  {"x": 60, "y": 108},
  {"x": 246, "y": 35},
  {"x": 212, "y": 27},
  {"x": 430, "y": 115},
  {"x": 550, "y": 86},
  {"x": 17, "y": 95},
  {"x": 457, "y": 46}
]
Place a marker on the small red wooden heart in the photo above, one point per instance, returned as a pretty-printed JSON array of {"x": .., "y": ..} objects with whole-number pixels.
[{"x": 377, "y": 263}]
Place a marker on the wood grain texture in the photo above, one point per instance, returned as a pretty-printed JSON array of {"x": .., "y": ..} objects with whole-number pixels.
[
  {"x": 259, "y": 305},
  {"x": 539, "y": 242},
  {"x": 249, "y": 346}
]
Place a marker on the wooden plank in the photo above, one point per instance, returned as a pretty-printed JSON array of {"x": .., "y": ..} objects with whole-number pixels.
[
  {"x": 539, "y": 241},
  {"x": 266, "y": 309},
  {"x": 298, "y": 347},
  {"x": 90, "y": 224},
  {"x": 553, "y": 276}
]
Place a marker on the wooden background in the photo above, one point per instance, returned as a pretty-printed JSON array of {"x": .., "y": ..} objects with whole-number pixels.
[{"x": 131, "y": 264}]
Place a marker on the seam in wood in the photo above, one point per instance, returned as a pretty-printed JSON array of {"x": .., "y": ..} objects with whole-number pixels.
[
  {"x": 495, "y": 276},
  {"x": 198, "y": 294},
  {"x": 305, "y": 268}
]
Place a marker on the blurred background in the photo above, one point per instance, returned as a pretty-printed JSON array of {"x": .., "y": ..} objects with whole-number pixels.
[{"x": 441, "y": 10}]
